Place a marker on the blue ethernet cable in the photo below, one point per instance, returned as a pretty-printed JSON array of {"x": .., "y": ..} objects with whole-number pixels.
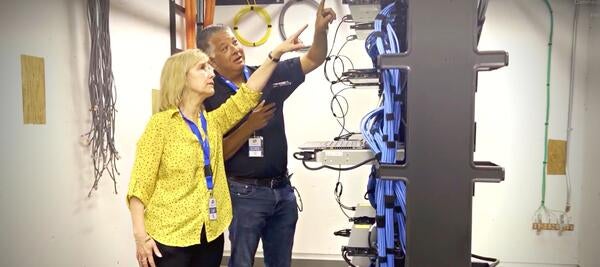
[{"x": 380, "y": 127}]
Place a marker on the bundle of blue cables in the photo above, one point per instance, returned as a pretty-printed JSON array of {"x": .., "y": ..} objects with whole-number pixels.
[{"x": 381, "y": 128}]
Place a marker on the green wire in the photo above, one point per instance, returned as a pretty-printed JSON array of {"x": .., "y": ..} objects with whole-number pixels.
[{"x": 547, "y": 101}]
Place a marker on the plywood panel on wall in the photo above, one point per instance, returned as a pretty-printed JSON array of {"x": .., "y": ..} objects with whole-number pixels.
[
  {"x": 557, "y": 153},
  {"x": 34, "y": 91}
]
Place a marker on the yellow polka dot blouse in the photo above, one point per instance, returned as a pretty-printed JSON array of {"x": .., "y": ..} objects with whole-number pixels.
[{"x": 168, "y": 174}]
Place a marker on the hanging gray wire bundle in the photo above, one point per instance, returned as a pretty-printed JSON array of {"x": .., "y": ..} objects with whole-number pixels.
[{"x": 102, "y": 92}]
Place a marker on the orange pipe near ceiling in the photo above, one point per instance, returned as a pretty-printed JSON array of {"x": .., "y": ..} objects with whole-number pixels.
[
  {"x": 209, "y": 12},
  {"x": 190, "y": 24}
]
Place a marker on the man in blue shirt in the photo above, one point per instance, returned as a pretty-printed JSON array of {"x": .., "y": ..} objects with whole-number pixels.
[{"x": 263, "y": 200}]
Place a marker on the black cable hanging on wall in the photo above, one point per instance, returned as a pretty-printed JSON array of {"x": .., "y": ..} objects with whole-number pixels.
[
  {"x": 102, "y": 92},
  {"x": 284, "y": 10}
]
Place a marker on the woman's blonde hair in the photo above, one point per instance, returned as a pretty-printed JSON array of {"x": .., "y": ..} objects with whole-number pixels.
[{"x": 173, "y": 79}]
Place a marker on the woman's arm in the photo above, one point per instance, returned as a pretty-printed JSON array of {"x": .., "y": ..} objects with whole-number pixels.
[
  {"x": 141, "y": 187},
  {"x": 257, "y": 119},
  {"x": 136, "y": 207},
  {"x": 259, "y": 78},
  {"x": 144, "y": 244},
  {"x": 234, "y": 109}
]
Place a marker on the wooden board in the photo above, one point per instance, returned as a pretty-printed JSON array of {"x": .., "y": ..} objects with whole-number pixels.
[
  {"x": 34, "y": 91},
  {"x": 557, "y": 155}
]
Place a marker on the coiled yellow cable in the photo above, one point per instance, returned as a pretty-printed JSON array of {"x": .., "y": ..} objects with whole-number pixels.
[{"x": 263, "y": 14}]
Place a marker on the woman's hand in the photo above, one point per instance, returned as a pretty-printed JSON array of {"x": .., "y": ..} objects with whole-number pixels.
[
  {"x": 144, "y": 249},
  {"x": 292, "y": 43}
]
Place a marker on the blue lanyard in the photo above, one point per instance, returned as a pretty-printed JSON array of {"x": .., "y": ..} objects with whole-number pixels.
[
  {"x": 205, "y": 147},
  {"x": 232, "y": 85}
]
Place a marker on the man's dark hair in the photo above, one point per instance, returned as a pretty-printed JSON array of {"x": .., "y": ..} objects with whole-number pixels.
[{"x": 203, "y": 37}]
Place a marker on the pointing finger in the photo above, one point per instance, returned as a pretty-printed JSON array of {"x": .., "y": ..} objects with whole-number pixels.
[{"x": 296, "y": 34}]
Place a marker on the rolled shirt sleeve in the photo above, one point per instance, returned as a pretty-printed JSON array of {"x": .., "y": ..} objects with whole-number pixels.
[{"x": 147, "y": 160}]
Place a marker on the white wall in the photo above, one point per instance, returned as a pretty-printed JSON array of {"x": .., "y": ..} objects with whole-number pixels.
[
  {"x": 47, "y": 218},
  {"x": 510, "y": 112},
  {"x": 590, "y": 198},
  {"x": 46, "y": 173}
]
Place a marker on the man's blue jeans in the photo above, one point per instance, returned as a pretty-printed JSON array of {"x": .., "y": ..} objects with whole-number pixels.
[{"x": 262, "y": 212}]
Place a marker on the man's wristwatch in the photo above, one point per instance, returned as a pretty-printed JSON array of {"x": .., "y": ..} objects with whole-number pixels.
[{"x": 272, "y": 58}]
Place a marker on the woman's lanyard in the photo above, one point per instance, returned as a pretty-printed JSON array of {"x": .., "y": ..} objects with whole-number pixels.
[
  {"x": 232, "y": 85},
  {"x": 208, "y": 174},
  {"x": 205, "y": 148}
]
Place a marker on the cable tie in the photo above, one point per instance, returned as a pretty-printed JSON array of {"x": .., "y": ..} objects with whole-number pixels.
[
  {"x": 391, "y": 144},
  {"x": 392, "y": 251},
  {"x": 389, "y": 201},
  {"x": 389, "y": 116},
  {"x": 377, "y": 34},
  {"x": 382, "y": 18},
  {"x": 380, "y": 221}
]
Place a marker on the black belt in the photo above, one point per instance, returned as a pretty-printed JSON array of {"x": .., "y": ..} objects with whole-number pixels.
[{"x": 274, "y": 182}]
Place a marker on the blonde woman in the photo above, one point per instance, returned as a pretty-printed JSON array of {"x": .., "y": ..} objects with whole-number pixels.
[{"x": 178, "y": 194}]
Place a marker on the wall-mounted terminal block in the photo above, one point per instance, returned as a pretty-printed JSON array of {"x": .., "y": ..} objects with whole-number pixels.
[
  {"x": 553, "y": 227},
  {"x": 551, "y": 220}
]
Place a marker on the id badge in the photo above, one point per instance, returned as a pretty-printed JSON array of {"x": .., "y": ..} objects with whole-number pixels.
[
  {"x": 255, "y": 147},
  {"x": 212, "y": 208}
]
